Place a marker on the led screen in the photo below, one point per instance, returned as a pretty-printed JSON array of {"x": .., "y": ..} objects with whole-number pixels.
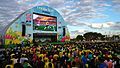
[{"x": 44, "y": 22}]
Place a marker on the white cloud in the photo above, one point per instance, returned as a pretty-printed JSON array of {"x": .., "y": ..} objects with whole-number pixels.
[
  {"x": 84, "y": 9},
  {"x": 23, "y": 1},
  {"x": 71, "y": 10},
  {"x": 87, "y": 2},
  {"x": 8, "y": 11},
  {"x": 104, "y": 5},
  {"x": 116, "y": 5},
  {"x": 108, "y": 24},
  {"x": 82, "y": 31},
  {"x": 56, "y": 3},
  {"x": 78, "y": 32},
  {"x": 96, "y": 25},
  {"x": 116, "y": 1}
]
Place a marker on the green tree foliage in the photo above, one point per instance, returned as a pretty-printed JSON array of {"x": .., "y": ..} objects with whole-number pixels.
[
  {"x": 79, "y": 37},
  {"x": 93, "y": 36},
  {"x": 115, "y": 37}
]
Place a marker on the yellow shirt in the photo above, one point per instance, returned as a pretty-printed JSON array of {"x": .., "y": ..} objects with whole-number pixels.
[
  {"x": 11, "y": 66},
  {"x": 47, "y": 65},
  {"x": 55, "y": 56},
  {"x": 61, "y": 53}
]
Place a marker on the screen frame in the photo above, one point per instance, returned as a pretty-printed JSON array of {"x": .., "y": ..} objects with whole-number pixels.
[{"x": 43, "y": 15}]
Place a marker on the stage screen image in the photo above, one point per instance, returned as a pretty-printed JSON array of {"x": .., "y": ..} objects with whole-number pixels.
[{"x": 44, "y": 22}]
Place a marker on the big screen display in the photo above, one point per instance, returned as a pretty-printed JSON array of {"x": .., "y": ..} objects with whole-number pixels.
[{"x": 44, "y": 22}]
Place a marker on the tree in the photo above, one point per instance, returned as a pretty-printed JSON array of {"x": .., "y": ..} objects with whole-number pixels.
[
  {"x": 93, "y": 36},
  {"x": 115, "y": 37},
  {"x": 88, "y": 36},
  {"x": 79, "y": 37}
]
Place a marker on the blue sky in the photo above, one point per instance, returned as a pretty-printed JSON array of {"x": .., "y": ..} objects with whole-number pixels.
[{"x": 81, "y": 16}]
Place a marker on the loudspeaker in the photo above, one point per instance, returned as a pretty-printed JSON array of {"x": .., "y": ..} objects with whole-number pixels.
[
  {"x": 63, "y": 31},
  {"x": 23, "y": 29}
]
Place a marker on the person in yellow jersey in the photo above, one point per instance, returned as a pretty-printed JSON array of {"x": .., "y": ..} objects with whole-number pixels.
[
  {"x": 11, "y": 65},
  {"x": 60, "y": 54},
  {"x": 55, "y": 56},
  {"x": 48, "y": 63},
  {"x": 41, "y": 55}
]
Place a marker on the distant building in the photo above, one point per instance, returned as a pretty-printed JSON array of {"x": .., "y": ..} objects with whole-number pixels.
[{"x": 38, "y": 24}]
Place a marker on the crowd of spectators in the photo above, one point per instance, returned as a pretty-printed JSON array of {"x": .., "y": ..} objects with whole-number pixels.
[{"x": 70, "y": 55}]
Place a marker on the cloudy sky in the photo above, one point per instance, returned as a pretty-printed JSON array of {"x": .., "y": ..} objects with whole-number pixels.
[{"x": 82, "y": 16}]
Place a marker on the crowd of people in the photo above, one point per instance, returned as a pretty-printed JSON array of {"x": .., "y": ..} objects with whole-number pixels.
[{"x": 70, "y": 55}]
